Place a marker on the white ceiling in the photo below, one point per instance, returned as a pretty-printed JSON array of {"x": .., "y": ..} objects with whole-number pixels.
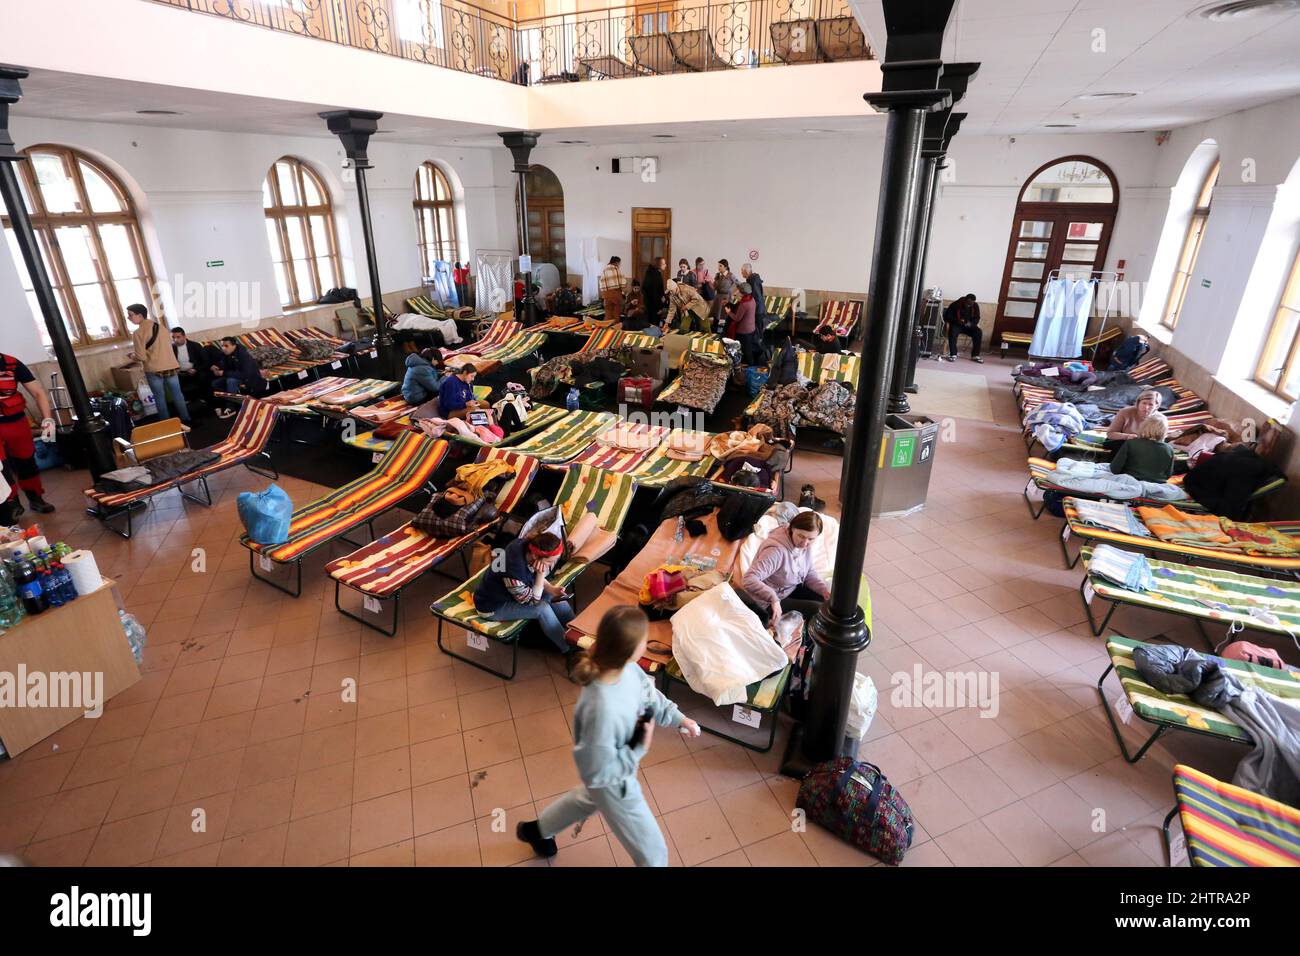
[{"x": 1038, "y": 57}]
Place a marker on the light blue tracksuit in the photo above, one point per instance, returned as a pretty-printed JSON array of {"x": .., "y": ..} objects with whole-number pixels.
[{"x": 603, "y": 723}]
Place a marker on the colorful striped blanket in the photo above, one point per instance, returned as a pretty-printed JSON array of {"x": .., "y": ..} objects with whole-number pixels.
[{"x": 1225, "y": 825}]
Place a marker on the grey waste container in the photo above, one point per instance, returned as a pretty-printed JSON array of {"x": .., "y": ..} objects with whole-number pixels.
[{"x": 906, "y": 458}]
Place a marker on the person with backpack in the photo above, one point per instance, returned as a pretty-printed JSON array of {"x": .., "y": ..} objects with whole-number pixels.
[{"x": 613, "y": 728}]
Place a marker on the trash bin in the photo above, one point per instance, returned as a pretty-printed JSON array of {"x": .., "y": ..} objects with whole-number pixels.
[{"x": 906, "y": 459}]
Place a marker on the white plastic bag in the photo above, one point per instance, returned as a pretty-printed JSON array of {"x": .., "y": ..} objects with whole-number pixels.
[
  {"x": 862, "y": 707},
  {"x": 145, "y": 394},
  {"x": 789, "y": 632}
]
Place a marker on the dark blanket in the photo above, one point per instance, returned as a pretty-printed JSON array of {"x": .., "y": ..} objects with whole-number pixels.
[
  {"x": 1113, "y": 398},
  {"x": 162, "y": 470},
  {"x": 1224, "y": 482},
  {"x": 1065, "y": 380}
]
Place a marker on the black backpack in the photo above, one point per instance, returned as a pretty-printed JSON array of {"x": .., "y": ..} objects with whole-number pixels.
[{"x": 740, "y": 512}]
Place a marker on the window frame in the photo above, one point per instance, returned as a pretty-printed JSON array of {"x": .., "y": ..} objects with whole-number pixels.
[
  {"x": 437, "y": 241},
  {"x": 1190, "y": 250},
  {"x": 279, "y": 212},
  {"x": 46, "y": 224},
  {"x": 1288, "y": 306}
]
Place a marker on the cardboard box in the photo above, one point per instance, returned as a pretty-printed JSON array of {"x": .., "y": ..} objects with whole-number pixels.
[
  {"x": 128, "y": 377},
  {"x": 650, "y": 363}
]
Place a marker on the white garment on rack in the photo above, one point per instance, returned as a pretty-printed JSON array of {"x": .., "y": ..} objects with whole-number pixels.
[{"x": 1063, "y": 318}]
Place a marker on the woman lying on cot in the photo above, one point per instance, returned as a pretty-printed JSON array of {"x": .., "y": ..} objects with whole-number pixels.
[{"x": 782, "y": 577}]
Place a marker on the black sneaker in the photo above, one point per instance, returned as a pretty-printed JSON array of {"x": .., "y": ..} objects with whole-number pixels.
[
  {"x": 39, "y": 504},
  {"x": 531, "y": 834},
  {"x": 808, "y": 498}
]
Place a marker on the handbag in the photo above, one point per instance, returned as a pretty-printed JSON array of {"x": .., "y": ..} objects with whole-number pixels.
[{"x": 855, "y": 801}]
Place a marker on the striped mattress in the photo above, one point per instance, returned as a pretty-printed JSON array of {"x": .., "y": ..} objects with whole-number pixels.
[{"x": 1226, "y": 825}]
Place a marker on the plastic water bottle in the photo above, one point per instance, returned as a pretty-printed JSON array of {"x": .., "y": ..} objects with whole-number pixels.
[
  {"x": 63, "y": 582},
  {"x": 571, "y": 400},
  {"x": 135, "y": 635},
  {"x": 50, "y": 588},
  {"x": 11, "y": 612}
]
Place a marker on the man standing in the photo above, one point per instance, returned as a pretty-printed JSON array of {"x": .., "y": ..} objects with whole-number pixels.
[
  {"x": 652, "y": 289},
  {"x": 963, "y": 318},
  {"x": 153, "y": 348},
  {"x": 760, "y": 297},
  {"x": 16, "y": 434},
  {"x": 611, "y": 289}
]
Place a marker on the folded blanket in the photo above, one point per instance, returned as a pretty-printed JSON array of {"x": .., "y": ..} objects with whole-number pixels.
[
  {"x": 1053, "y": 424},
  {"x": 1096, "y": 478},
  {"x": 687, "y": 445},
  {"x": 1178, "y": 527},
  {"x": 1126, "y": 568},
  {"x": 1110, "y": 515}
]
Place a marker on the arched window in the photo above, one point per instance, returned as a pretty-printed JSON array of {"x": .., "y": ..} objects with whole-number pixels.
[
  {"x": 1191, "y": 246},
  {"x": 435, "y": 216},
  {"x": 90, "y": 240},
  {"x": 1062, "y": 227},
  {"x": 300, "y": 230},
  {"x": 1279, "y": 363}
]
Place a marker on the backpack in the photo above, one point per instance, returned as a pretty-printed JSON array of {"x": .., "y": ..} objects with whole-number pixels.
[
  {"x": 853, "y": 800},
  {"x": 740, "y": 512}
]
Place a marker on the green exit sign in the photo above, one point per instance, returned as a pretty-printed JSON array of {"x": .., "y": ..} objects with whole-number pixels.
[
  {"x": 1205, "y": 283},
  {"x": 215, "y": 263}
]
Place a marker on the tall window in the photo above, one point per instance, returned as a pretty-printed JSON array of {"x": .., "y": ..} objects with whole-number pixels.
[
  {"x": 1279, "y": 363},
  {"x": 435, "y": 215},
  {"x": 1191, "y": 246},
  {"x": 90, "y": 241},
  {"x": 300, "y": 229}
]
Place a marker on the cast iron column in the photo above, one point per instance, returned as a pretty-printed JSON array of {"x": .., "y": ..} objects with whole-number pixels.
[
  {"x": 955, "y": 78},
  {"x": 92, "y": 430},
  {"x": 354, "y": 129},
  {"x": 839, "y": 629},
  {"x": 521, "y": 146}
]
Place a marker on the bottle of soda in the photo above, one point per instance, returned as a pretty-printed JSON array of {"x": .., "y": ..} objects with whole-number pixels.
[
  {"x": 49, "y": 588},
  {"x": 29, "y": 589},
  {"x": 11, "y": 612},
  {"x": 571, "y": 400}
]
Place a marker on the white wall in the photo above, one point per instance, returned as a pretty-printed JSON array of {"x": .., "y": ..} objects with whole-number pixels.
[{"x": 199, "y": 196}]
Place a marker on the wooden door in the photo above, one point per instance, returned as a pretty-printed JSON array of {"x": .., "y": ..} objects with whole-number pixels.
[
  {"x": 546, "y": 232},
  {"x": 652, "y": 236}
]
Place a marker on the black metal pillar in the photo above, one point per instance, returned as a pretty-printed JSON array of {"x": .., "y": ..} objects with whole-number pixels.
[
  {"x": 955, "y": 78},
  {"x": 91, "y": 430},
  {"x": 839, "y": 630},
  {"x": 354, "y": 129},
  {"x": 521, "y": 146}
]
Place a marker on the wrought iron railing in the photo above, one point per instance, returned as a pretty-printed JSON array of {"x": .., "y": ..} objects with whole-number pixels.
[{"x": 641, "y": 40}]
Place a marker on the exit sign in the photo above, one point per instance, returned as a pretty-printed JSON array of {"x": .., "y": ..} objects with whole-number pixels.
[
  {"x": 215, "y": 263},
  {"x": 1205, "y": 283}
]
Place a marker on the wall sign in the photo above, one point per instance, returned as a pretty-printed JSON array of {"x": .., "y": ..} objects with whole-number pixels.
[
  {"x": 1205, "y": 283},
  {"x": 753, "y": 255},
  {"x": 215, "y": 263}
]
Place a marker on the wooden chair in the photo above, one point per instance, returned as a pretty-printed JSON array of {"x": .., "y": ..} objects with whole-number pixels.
[{"x": 152, "y": 441}]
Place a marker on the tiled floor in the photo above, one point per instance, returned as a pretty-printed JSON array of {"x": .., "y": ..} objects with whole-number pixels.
[{"x": 239, "y": 714}]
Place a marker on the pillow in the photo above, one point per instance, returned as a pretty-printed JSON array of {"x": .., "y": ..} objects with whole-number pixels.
[
  {"x": 267, "y": 356},
  {"x": 265, "y": 515}
]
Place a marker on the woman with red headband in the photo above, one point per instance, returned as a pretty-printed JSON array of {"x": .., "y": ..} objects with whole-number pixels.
[{"x": 514, "y": 587}]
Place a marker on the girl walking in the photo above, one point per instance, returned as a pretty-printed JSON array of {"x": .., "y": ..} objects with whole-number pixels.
[{"x": 613, "y": 726}]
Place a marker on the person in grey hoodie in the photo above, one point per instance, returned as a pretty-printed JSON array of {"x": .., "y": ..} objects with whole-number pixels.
[
  {"x": 424, "y": 374},
  {"x": 613, "y": 726}
]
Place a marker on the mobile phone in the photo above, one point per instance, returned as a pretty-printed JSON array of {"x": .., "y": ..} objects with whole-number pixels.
[{"x": 639, "y": 732}]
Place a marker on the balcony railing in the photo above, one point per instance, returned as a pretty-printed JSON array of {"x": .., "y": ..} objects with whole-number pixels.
[{"x": 641, "y": 40}]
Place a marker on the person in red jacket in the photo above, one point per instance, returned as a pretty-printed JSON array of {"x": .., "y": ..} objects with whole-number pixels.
[
  {"x": 742, "y": 325},
  {"x": 16, "y": 434}
]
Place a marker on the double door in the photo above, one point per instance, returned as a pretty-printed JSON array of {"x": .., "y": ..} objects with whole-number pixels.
[{"x": 1068, "y": 239}]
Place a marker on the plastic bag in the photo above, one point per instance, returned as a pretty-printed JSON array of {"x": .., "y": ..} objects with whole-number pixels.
[
  {"x": 147, "y": 400},
  {"x": 789, "y": 632},
  {"x": 135, "y": 635},
  {"x": 265, "y": 515},
  {"x": 862, "y": 707}
]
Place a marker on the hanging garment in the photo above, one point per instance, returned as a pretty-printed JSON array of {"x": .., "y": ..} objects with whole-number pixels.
[
  {"x": 1063, "y": 318},
  {"x": 444, "y": 286}
]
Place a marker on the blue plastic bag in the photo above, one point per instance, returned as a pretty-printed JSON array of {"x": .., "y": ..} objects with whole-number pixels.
[
  {"x": 266, "y": 515},
  {"x": 755, "y": 379}
]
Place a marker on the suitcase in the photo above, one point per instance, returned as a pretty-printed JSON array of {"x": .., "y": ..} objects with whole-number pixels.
[
  {"x": 854, "y": 801},
  {"x": 636, "y": 391}
]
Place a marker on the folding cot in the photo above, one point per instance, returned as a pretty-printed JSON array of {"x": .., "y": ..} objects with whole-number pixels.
[
  {"x": 504, "y": 342},
  {"x": 779, "y": 307},
  {"x": 609, "y": 66},
  {"x": 695, "y": 51},
  {"x": 705, "y": 369},
  {"x": 1040, "y": 477},
  {"x": 818, "y": 367},
  {"x": 380, "y": 570},
  {"x": 396, "y": 410},
  {"x": 622, "y": 460},
  {"x": 1092, "y": 441},
  {"x": 356, "y": 392},
  {"x": 1094, "y": 341},
  {"x": 404, "y": 470},
  {"x": 1185, "y": 399},
  {"x": 841, "y": 314},
  {"x": 246, "y": 441},
  {"x": 1175, "y": 711},
  {"x": 297, "y": 400},
  {"x": 1149, "y": 372},
  {"x": 565, "y": 324},
  {"x": 1077, "y": 527},
  {"x": 584, "y": 489},
  {"x": 567, "y": 437},
  {"x": 423, "y": 305},
  {"x": 795, "y": 41},
  {"x": 657, "y": 469},
  {"x": 1226, "y": 825},
  {"x": 1201, "y": 593},
  {"x": 840, "y": 38}
]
